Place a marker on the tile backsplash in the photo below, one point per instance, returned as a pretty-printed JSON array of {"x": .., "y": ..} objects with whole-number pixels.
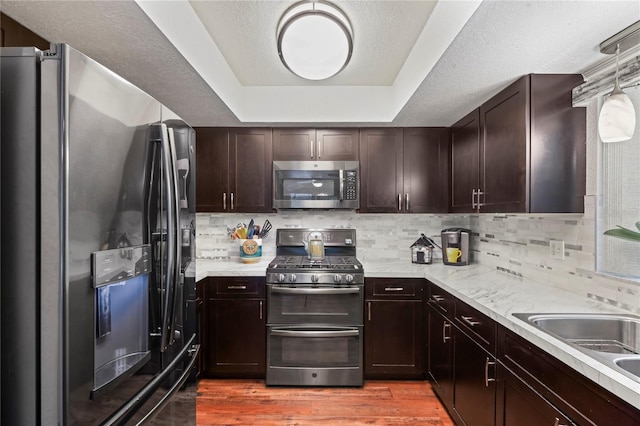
[{"x": 517, "y": 244}]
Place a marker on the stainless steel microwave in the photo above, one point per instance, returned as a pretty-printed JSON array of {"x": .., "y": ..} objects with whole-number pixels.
[{"x": 316, "y": 185}]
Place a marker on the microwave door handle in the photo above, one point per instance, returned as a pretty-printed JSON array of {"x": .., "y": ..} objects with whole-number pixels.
[{"x": 341, "y": 198}]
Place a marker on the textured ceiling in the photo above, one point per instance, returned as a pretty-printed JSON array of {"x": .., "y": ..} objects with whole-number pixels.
[
  {"x": 245, "y": 33},
  {"x": 500, "y": 42}
]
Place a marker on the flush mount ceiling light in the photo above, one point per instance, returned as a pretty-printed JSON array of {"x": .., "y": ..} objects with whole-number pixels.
[
  {"x": 315, "y": 40},
  {"x": 617, "y": 120}
]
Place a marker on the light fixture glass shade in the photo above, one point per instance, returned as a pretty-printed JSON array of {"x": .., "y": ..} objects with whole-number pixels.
[
  {"x": 314, "y": 40},
  {"x": 617, "y": 119}
]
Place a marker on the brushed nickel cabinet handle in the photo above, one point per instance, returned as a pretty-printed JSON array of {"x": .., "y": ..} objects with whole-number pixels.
[
  {"x": 224, "y": 201},
  {"x": 399, "y": 202},
  {"x": 470, "y": 321},
  {"x": 487, "y": 363},
  {"x": 261, "y": 309},
  {"x": 406, "y": 202},
  {"x": 311, "y": 148},
  {"x": 479, "y": 204},
  {"x": 446, "y": 326},
  {"x": 473, "y": 199},
  {"x": 237, "y": 287},
  {"x": 369, "y": 311},
  {"x": 437, "y": 298},
  {"x": 232, "y": 201},
  {"x": 557, "y": 423},
  {"x": 393, "y": 288}
]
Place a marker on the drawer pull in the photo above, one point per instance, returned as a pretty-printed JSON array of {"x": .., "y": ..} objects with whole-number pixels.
[
  {"x": 470, "y": 321},
  {"x": 261, "y": 309},
  {"x": 393, "y": 289},
  {"x": 557, "y": 423},
  {"x": 369, "y": 311},
  {"x": 437, "y": 298},
  {"x": 237, "y": 287},
  {"x": 446, "y": 326},
  {"x": 487, "y": 363}
]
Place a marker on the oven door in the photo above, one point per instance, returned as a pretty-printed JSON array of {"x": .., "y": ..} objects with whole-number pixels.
[
  {"x": 315, "y": 305},
  {"x": 314, "y": 356}
]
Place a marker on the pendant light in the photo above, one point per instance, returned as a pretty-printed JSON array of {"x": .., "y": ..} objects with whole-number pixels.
[
  {"x": 617, "y": 120},
  {"x": 315, "y": 39}
]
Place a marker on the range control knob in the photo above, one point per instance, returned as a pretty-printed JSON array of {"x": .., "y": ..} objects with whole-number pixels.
[
  {"x": 337, "y": 278},
  {"x": 292, "y": 278},
  {"x": 348, "y": 278},
  {"x": 280, "y": 278},
  {"x": 314, "y": 278}
]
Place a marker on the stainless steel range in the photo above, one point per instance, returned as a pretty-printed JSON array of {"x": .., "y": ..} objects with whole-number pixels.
[{"x": 315, "y": 309}]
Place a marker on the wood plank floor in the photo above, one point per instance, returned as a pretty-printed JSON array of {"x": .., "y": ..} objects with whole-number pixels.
[{"x": 250, "y": 402}]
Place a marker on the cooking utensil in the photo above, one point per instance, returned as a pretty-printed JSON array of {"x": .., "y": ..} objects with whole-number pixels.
[
  {"x": 250, "y": 230},
  {"x": 265, "y": 229}
]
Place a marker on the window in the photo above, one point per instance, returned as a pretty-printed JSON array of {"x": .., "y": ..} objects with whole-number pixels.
[{"x": 620, "y": 204}]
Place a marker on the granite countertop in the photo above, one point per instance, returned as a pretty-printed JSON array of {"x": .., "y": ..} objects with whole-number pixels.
[{"x": 497, "y": 295}]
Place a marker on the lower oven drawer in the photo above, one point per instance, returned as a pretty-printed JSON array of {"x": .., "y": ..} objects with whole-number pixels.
[
  {"x": 314, "y": 356},
  {"x": 315, "y": 305}
]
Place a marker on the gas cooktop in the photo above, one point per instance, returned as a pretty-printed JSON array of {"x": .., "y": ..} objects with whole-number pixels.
[{"x": 341, "y": 263}]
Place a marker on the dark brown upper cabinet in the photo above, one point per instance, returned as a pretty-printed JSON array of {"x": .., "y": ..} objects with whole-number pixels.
[
  {"x": 233, "y": 170},
  {"x": 465, "y": 162},
  {"x": 293, "y": 144},
  {"x": 403, "y": 170},
  {"x": 531, "y": 153},
  {"x": 14, "y": 34}
]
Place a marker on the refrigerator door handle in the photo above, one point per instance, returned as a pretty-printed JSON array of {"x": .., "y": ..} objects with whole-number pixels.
[
  {"x": 131, "y": 407},
  {"x": 169, "y": 195},
  {"x": 177, "y": 237}
]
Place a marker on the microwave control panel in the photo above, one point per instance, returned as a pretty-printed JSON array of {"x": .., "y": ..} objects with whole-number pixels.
[{"x": 350, "y": 185}]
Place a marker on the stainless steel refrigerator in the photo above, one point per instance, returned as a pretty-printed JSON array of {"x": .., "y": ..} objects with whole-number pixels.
[{"x": 98, "y": 318}]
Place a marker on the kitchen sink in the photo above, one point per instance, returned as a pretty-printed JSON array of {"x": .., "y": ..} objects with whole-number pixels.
[{"x": 613, "y": 339}]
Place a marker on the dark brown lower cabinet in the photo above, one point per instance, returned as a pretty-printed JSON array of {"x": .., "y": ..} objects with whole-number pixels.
[
  {"x": 520, "y": 405},
  {"x": 440, "y": 360},
  {"x": 491, "y": 375},
  {"x": 474, "y": 369},
  {"x": 393, "y": 324},
  {"x": 235, "y": 328},
  {"x": 579, "y": 399}
]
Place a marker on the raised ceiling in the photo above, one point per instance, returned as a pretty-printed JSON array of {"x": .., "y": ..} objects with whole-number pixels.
[{"x": 416, "y": 63}]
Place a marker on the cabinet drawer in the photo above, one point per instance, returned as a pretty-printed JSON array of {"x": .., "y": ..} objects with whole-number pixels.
[
  {"x": 480, "y": 327},
  {"x": 441, "y": 300},
  {"x": 394, "y": 288},
  {"x": 236, "y": 287}
]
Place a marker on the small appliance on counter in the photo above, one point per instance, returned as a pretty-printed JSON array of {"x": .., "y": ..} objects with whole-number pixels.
[
  {"x": 422, "y": 250},
  {"x": 455, "y": 246}
]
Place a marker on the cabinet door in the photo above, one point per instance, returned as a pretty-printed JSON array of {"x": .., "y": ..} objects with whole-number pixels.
[
  {"x": 519, "y": 405},
  {"x": 294, "y": 144},
  {"x": 504, "y": 159},
  {"x": 474, "y": 386},
  {"x": 381, "y": 171},
  {"x": 465, "y": 163},
  {"x": 236, "y": 338},
  {"x": 393, "y": 339},
  {"x": 212, "y": 169},
  {"x": 337, "y": 144},
  {"x": 440, "y": 360},
  {"x": 251, "y": 153},
  {"x": 425, "y": 169}
]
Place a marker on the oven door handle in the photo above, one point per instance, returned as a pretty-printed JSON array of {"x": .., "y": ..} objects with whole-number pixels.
[
  {"x": 315, "y": 333},
  {"x": 331, "y": 290}
]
